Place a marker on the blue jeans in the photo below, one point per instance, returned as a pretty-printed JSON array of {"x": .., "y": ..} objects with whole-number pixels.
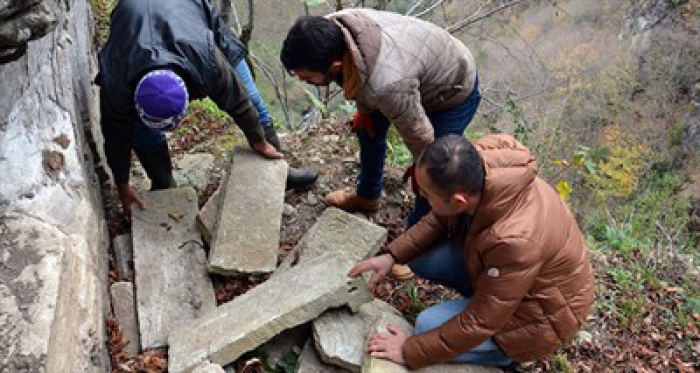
[
  {"x": 444, "y": 265},
  {"x": 146, "y": 137},
  {"x": 246, "y": 78},
  {"x": 373, "y": 149}
]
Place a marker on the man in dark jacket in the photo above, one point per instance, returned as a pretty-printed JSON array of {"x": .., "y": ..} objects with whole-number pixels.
[
  {"x": 159, "y": 56},
  {"x": 504, "y": 239}
]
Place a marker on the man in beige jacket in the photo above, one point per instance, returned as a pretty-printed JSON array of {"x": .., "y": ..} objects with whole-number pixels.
[
  {"x": 397, "y": 69},
  {"x": 504, "y": 239}
]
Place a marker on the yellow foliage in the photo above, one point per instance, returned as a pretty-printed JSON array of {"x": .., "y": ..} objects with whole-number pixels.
[
  {"x": 564, "y": 189},
  {"x": 572, "y": 68},
  {"x": 618, "y": 173}
]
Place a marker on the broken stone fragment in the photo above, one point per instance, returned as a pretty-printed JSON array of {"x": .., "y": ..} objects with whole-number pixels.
[{"x": 339, "y": 335}]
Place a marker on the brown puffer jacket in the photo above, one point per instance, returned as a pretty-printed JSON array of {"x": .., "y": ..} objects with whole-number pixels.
[
  {"x": 527, "y": 261},
  {"x": 406, "y": 67}
]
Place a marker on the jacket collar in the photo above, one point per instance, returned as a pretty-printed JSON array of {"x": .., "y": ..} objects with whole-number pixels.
[
  {"x": 510, "y": 171},
  {"x": 363, "y": 37}
]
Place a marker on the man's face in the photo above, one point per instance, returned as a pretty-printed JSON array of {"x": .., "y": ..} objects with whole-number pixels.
[
  {"x": 320, "y": 78},
  {"x": 441, "y": 202}
]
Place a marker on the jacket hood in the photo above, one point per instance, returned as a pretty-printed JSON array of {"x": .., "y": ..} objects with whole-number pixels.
[
  {"x": 363, "y": 37},
  {"x": 510, "y": 171}
]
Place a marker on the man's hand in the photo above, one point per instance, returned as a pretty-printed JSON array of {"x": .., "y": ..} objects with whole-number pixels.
[
  {"x": 267, "y": 150},
  {"x": 381, "y": 265},
  {"x": 128, "y": 196},
  {"x": 388, "y": 346}
]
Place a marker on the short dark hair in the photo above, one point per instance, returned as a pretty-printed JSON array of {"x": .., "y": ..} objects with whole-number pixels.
[
  {"x": 453, "y": 164},
  {"x": 313, "y": 43}
]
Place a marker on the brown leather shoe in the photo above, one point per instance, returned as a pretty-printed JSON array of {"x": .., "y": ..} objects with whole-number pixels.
[
  {"x": 347, "y": 200},
  {"x": 402, "y": 272}
]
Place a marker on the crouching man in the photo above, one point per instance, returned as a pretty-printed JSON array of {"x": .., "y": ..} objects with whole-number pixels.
[{"x": 500, "y": 236}]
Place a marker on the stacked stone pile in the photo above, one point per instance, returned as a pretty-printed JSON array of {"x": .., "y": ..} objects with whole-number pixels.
[{"x": 308, "y": 306}]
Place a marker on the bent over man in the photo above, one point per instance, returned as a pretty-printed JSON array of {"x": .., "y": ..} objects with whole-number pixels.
[{"x": 160, "y": 55}]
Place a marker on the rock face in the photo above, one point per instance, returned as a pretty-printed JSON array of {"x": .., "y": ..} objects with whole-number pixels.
[
  {"x": 298, "y": 296},
  {"x": 22, "y": 21},
  {"x": 53, "y": 241},
  {"x": 644, "y": 15},
  {"x": 246, "y": 239},
  {"x": 172, "y": 282}
]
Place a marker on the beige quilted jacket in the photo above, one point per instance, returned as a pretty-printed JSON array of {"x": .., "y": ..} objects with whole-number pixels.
[{"x": 406, "y": 67}]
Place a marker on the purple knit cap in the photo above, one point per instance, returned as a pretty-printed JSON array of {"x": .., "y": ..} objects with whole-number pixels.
[{"x": 161, "y": 100}]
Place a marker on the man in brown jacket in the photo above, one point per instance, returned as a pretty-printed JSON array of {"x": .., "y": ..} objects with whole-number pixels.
[
  {"x": 397, "y": 69},
  {"x": 504, "y": 239}
]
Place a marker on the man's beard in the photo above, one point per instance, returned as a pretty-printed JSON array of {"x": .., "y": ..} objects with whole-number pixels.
[{"x": 338, "y": 79}]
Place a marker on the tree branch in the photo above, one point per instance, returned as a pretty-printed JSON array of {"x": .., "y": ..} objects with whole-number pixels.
[
  {"x": 462, "y": 24},
  {"x": 269, "y": 74},
  {"x": 247, "y": 30},
  {"x": 430, "y": 8}
]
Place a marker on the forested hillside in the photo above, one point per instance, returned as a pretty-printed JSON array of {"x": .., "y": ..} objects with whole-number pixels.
[{"x": 607, "y": 96}]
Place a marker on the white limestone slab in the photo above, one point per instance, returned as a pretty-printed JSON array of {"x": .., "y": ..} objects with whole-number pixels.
[
  {"x": 172, "y": 282},
  {"x": 342, "y": 234},
  {"x": 247, "y": 234}
]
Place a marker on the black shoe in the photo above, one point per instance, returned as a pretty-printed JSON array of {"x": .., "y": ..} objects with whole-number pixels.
[
  {"x": 298, "y": 178},
  {"x": 271, "y": 136}
]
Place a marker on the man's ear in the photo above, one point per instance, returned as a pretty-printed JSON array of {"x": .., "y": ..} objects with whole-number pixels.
[
  {"x": 460, "y": 200},
  {"x": 336, "y": 66}
]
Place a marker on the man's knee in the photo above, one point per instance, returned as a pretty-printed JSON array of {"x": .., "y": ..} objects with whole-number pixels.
[{"x": 427, "y": 320}]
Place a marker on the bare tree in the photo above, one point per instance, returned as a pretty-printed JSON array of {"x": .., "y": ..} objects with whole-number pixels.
[
  {"x": 479, "y": 17},
  {"x": 226, "y": 11},
  {"x": 247, "y": 30}
]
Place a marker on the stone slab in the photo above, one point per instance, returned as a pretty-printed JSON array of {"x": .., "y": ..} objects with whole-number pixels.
[
  {"x": 124, "y": 255},
  {"x": 190, "y": 170},
  {"x": 209, "y": 368},
  {"x": 339, "y": 335},
  {"x": 193, "y": 170},
  {"x": 172, "y": 282},
  {"x": 376, "y": 365},
  {"x": 247, "y": 235},
  {"x": 124, "y": 306},
  {"x": 300, "y": 295},
  {"x": 206, "y": 218},
  {"x": 309, "y": 362},
  {"x": 343, "y": 234},
  {"x": 53, "y": 241}
]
